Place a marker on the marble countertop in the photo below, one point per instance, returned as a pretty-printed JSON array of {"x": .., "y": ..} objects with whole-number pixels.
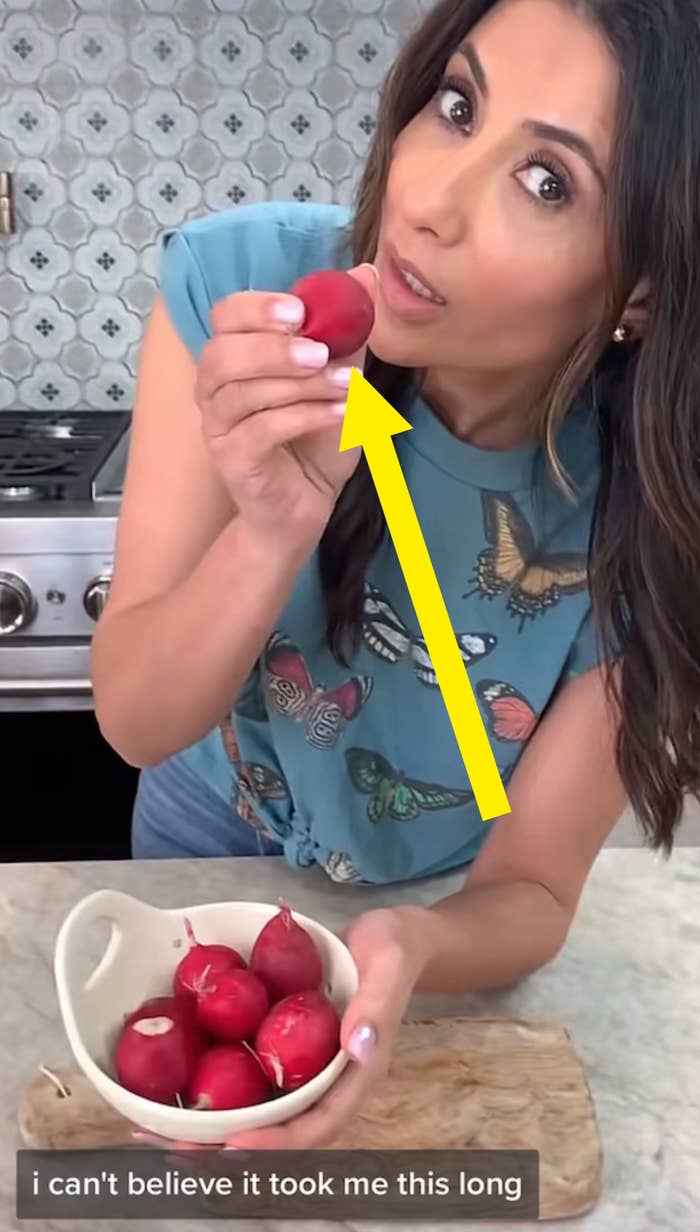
[{"x": 626, "y": 987}]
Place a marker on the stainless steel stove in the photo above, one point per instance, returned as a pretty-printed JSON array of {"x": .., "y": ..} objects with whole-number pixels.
[{"x": 61, "y": 477}]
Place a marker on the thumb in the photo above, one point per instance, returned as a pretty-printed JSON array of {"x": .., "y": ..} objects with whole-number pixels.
[
  {"x": 375, "y": 1011},
  {"x": 367, "y": 276},
  {"x": 360, "y": 1029}
]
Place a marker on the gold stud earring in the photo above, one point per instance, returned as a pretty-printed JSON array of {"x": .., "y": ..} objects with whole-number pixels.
[{"x": 621, "y": 334}]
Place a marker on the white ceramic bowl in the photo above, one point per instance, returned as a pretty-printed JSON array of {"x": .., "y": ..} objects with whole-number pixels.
[{"x": 145, "y": 945}]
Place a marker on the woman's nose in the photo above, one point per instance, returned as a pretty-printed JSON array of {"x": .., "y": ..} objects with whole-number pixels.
[{"x": 444, "y": 195}]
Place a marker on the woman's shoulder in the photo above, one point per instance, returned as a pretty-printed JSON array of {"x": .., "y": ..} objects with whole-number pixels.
[
  {"x": 264, "y": 246},
  {"x": 307, "y": 218}
]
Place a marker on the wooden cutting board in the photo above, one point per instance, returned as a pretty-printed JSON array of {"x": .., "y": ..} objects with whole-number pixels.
[{"x": 455, "y": 1083}]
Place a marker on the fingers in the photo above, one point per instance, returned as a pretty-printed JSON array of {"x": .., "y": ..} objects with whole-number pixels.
[
  {"x": 236, "y": 354},
  {"x": 233, "y": 403},
  {"x": 144, "y": 1137},
  {"x": 251, "y": 311},
  {"x": 241, "y": 357},
  {"x": 382, "y": 997},
  {"x": 320, "y": 1125},
  {"x": 256, "y": 360},
  {"x": 260, "y": 434},
  {"x": 366, "y": 274},
  {"x": 316, "y": 1127},
  {"x": 251, "y": 365},
  {"x": 255, "y": 311}
]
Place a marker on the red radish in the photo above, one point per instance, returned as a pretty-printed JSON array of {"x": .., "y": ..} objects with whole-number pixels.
[
  {"x": 233, "y": 1005},
  {"x": 202, "y": 961},
  {"x": 298, "y": 1039},
  {"x": 339, "y": 311},
  {"x": 179, "y": 1008},
  {"x": 285, "y": 957},
  {"x": 228, "y": 1076},
  {"x": 156, "y": 1056}
]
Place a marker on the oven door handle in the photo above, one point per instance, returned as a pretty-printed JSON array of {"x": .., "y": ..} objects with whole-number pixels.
[{"x": 31, "y": 686}]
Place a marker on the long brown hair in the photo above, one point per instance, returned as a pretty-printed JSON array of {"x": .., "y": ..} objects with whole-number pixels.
[{"x": 644, "y": 554}]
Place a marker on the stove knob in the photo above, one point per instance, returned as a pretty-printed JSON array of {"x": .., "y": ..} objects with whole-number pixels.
[
  {"x": 96, "y": 596},
  {"x": 17, "y": 605}
]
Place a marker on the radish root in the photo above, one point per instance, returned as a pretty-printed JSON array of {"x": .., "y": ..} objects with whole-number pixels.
[{"x": 62, "y": 1089}]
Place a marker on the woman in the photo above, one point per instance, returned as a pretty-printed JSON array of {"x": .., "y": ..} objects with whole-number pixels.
[{"x": 537, "y": 165}]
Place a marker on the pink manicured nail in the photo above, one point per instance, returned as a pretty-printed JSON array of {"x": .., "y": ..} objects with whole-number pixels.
[
  {"x": 362, "y": 1042},
  {"x": 308, "y": 353},
  {"x": 368, "y": 265},
  {"x": 289, "y": 311}
]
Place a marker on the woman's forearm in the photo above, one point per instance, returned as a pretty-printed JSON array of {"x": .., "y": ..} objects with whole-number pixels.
[
  {"x": 486, "y": 937},
  {"x": 166, "y": 671}
]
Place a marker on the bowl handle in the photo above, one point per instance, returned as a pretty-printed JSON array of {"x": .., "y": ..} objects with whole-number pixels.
[{"x": 128, "y": 917}]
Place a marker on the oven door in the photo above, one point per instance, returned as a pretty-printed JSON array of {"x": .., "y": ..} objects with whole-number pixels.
[
  {"x": 45, "y": 674},
  {"x": 76, "y": 793}
]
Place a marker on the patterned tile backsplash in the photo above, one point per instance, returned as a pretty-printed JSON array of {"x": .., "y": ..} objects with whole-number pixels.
[{"x": 122, "y": 118}]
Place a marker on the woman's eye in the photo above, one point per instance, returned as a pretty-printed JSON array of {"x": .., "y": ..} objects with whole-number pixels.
[
  {"x": 455, "y": 107},
  {"x": 545, "y": 184},
  {"x": 542, "y": 179}
]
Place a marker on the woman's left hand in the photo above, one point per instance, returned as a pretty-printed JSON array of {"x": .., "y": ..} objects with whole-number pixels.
[
  {"x": 389, "y": 962},
  {"x": 387, "y": 972}
]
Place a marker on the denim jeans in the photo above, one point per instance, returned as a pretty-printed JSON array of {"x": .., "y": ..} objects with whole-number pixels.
[{"x": 177, "y": 814}]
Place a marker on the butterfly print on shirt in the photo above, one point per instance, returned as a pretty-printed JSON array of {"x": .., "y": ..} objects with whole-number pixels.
[
  {"x": 392, "y": 793},
  {"x": 340, "y": 867},
  {"x": 292, "y": 693},
  {"x": 253, "y": 780},
  {"x": 388, "y": 637},
  {"x": 510, "y": 715},
  {"x": 513, "y": 562}
]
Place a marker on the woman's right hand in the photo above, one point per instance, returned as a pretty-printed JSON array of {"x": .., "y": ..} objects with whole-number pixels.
[{"x": 273, "y": 425}]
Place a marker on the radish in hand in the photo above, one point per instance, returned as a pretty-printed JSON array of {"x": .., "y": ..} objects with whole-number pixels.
[{"x": 339, "y": 311}]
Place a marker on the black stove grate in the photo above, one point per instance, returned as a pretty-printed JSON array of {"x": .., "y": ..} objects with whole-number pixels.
[{"x": 55, "y": 455}]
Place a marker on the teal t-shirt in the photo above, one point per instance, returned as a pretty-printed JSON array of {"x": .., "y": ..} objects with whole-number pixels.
[{"x": 358, "y": 769}]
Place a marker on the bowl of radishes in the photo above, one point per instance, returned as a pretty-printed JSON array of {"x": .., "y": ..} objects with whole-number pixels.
[{"x": 202, "y": 1021}]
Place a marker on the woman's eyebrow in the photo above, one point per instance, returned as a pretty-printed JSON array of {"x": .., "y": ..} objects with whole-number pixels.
[
  {"x": 573, "y": 141},
  {"x": 548, "y": 132},
  {"x": 471, "y": 55}
]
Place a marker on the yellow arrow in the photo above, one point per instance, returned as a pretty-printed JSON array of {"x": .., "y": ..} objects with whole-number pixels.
[{"x": 370, "y": 422}]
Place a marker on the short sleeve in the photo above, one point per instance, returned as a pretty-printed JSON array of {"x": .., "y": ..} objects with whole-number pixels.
[
  {"x": 184, "y": 291},
  {"x": 586, "y": 651}
]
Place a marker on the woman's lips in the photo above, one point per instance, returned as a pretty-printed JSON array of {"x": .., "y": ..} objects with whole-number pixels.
[
  {"x": 400, "y": 299},
  {"x": 407, "y": 266}
]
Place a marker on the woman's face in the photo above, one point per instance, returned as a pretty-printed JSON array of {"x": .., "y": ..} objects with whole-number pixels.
[{"x": 496, "y": 193}]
